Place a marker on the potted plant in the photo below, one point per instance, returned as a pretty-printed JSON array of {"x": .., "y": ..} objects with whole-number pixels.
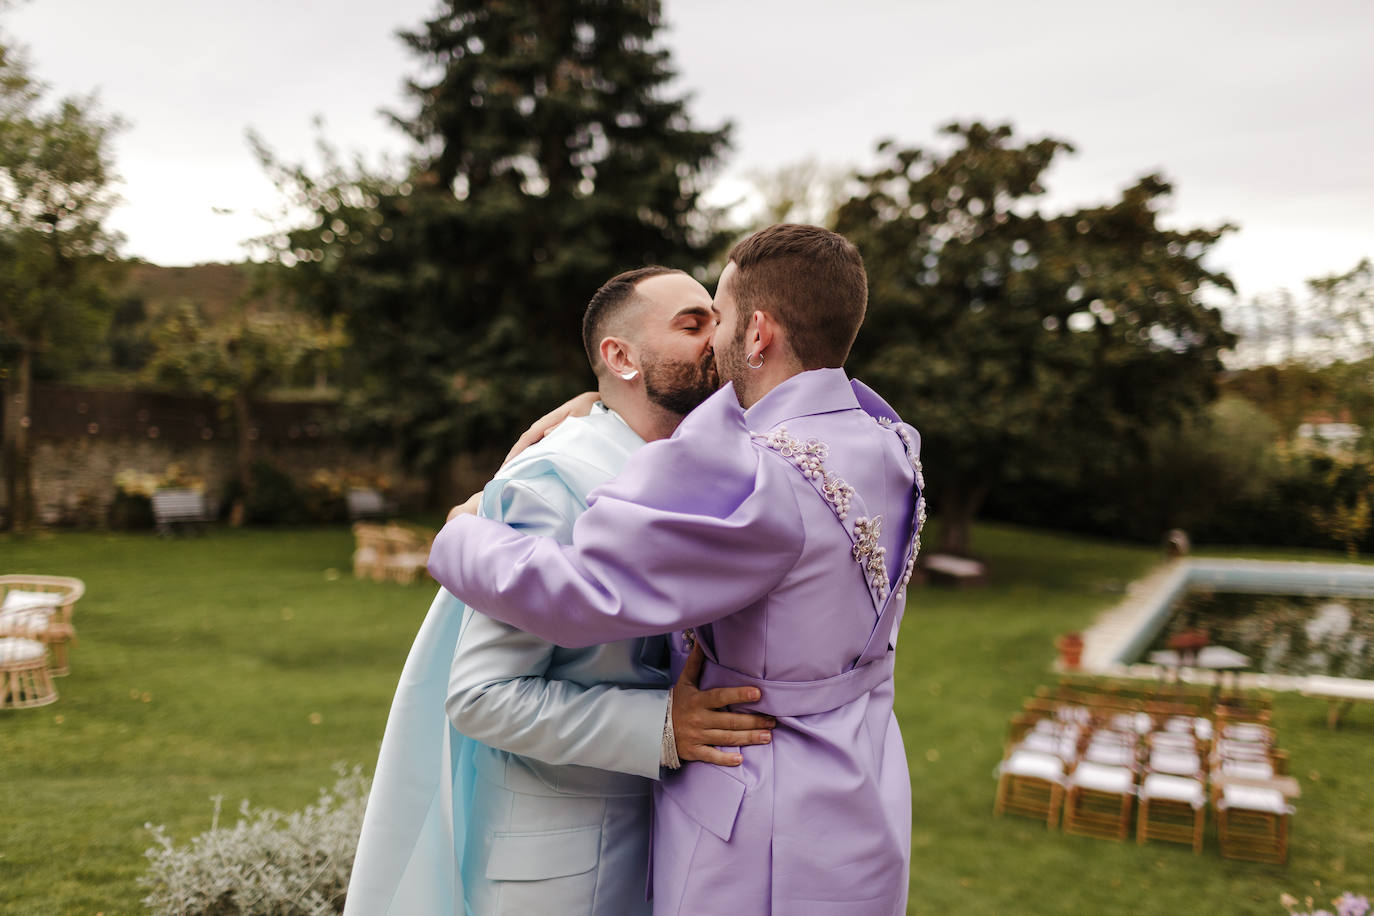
[{"x": 1070, "y": 647}]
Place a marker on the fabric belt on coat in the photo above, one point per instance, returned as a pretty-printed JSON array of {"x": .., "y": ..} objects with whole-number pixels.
[{"x": 801, "y": 698}]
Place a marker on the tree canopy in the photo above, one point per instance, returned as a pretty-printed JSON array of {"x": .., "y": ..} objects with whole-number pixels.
[
  {"x": 1018, "y": 340},
  {"x": 550, "y": 154},
  {"x": 56, "y": 190}
]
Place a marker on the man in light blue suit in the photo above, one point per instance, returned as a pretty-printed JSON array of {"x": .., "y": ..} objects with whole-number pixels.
[{"x": 514, "y": 774}]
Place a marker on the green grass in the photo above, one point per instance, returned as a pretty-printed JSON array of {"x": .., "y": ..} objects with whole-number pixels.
[{"x": 261, "y": 669}]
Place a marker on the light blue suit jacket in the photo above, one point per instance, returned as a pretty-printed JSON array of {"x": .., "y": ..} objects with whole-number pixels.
[{"x": 537, "y": 801}]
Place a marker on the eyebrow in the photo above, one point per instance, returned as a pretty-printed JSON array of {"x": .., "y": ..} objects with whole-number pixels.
[{"x": 694, "y": 310}]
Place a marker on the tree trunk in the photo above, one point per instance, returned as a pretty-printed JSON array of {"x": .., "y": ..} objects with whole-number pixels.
[
  {"x": 18, "y": 479},
  {"x": 958, "y": 507},
  {"x": 243, "y": 458}
]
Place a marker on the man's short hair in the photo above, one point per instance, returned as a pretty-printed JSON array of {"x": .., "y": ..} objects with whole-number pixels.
[
  {"x": 812, "y": 281},
  {"x": 609, "y": 302}
]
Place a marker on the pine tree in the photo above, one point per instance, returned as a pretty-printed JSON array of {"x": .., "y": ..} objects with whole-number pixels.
[{"x": 550, "y": 154}]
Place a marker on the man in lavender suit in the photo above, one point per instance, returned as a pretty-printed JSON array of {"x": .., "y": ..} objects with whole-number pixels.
[{"x": 778, "y": 528}]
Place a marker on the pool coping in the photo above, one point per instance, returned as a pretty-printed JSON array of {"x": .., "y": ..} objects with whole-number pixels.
[{"x": 1124, "y": 631}]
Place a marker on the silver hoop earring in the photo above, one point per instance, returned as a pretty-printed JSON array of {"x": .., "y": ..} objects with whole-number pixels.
[
  {"x": 627, "y": 376},
  {"x": 751, "y": 365}
]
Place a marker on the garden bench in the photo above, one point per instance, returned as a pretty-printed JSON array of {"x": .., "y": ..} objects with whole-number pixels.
[
  {"x": 172, "y": 508},
  {"x": 1340, "y": 694},
  {"x": 365, "y": 502},
  {"x": 945, "y": 568}
]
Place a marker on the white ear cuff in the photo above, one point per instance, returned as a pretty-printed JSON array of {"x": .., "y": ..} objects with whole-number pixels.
[{"x": 629, "y": 375}]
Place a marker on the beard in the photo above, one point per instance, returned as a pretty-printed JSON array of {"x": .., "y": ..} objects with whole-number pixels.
[
  {"x": 679, "y": 387},
  {"x": 730, "y": 364}
]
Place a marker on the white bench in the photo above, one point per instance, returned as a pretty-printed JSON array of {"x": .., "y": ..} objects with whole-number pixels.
[
  {"x": 365, "y": 502},
  {"x": 179, "y": 507},
  {"x": 1340, "y": 694},
  {"x": 951, "y": 570}
]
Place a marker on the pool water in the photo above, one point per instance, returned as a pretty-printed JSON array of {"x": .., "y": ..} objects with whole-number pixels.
[{"x": 1281, "y": 634}]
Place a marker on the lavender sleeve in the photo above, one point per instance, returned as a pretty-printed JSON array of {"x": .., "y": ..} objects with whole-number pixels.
[{"x": 696, "y": 527}]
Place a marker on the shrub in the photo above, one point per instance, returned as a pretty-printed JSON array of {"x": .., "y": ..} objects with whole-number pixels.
[
  {"x": 274, "y": 499},
  {"x": 267, "y": 864},
  {"x": 130, "y": 512}
]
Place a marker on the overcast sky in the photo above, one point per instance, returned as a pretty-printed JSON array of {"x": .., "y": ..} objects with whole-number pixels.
[{"x": 1258, "y": 111}]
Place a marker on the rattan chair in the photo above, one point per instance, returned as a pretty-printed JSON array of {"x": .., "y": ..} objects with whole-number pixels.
[
  {"x": 40, "y": 607},
  {"x": 392, "y": 552},
  {"x": 25, "y": 680}
]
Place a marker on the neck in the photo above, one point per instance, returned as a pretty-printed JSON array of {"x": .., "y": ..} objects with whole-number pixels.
[
  {"x": 751, "y": 387},
  {"x": 648, "y": 420}
]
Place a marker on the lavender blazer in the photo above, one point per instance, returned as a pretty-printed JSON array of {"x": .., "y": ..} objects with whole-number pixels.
[{"x": 782, "y": 539}]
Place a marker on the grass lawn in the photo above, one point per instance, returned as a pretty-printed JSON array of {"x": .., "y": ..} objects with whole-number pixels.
[{"x": 247, "y": 663}]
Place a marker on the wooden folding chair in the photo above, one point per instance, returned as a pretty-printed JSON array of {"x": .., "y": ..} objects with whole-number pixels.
[
  {"x": 1172, "y": 808},
  {"x": 1098, "y": 800},
  {"x": 1030, "y": 783},
  {"x": 1253, "y": 823}
]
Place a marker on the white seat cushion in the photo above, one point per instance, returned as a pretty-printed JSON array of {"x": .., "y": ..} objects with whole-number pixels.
[
  {"x": 15, "y": 649},
  {"x": 1110, "y": 754},
  {"x": 1179, "y": 763},
  {"x": 1248, "y": 769},
  {"x": 1247, "y": 731},
  {"x": 1060, "y": 746},
  {"x": 1173, "y": 788},
  {"x": 16, "y": 600},
  {"x": 1189, "y": 725},
  {"x": 1033, "y": 764},
  {"x": 29, "y": 622},
  {"x": 1254, "y": 798},
  {"x": 1174, "y": 741},
  {"x": 1242, "y": 750},
  {"x": 1102, "y": 778},
  {"x": 1135, "y": 722}
]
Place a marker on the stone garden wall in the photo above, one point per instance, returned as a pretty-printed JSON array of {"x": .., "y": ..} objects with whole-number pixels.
[{"x": 83, "y": 438}]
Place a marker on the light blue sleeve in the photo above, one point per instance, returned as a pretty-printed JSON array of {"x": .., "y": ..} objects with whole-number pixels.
[{"x": 498, "y": 693}]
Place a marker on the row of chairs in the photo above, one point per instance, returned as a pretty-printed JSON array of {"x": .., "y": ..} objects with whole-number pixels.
[
  {"x": 1094, "y": 758},
  {"x": 36, "y": 635}
]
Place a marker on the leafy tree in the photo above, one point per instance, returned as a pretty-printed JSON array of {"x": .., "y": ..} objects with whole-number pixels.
[
  {"x": 804, "y": 191},
  {"x": 236, "y": 361},
  {"x": 549, "y": 156},
  {"x": 1347, "y": 515},
  {"x": 55, "y": 193},
  {"x": 1334, "y": 322},
  {"x": 1018, "y": 340},
  {"x": 1315, "y": 354}
]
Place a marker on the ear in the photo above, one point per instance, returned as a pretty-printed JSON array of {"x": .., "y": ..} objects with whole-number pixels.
[
  {"x": 763, "y": 332},
  {"x": 616, "y": 354}
]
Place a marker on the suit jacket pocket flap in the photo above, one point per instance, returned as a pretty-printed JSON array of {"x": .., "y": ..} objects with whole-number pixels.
[
  {"x": 709, "y": 794},
  {"x": 543, "y": 854}
]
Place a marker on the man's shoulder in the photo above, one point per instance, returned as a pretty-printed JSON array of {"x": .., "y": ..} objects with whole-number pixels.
[{"x": 600, "y": 440}]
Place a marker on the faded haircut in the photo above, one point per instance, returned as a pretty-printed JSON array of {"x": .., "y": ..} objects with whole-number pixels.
[
  {"x": 609, "y": 302},
  {"x": 812, "y": 281}
]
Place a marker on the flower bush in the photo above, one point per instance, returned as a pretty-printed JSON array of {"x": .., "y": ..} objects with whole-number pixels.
[
  {"x": 269, "y": 863},
  {"x": 1346, "y": 904}
]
